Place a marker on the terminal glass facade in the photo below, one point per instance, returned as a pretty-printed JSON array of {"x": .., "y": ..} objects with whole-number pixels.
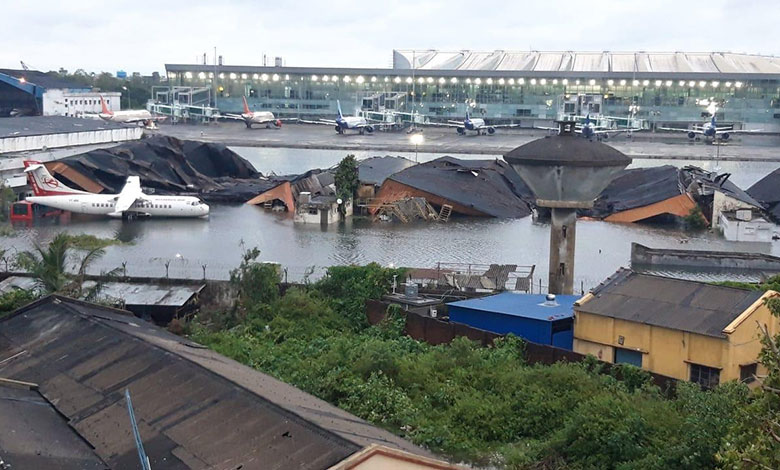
[{"x": 312, "y": 93}]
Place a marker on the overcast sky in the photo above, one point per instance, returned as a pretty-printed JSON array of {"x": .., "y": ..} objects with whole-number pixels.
[{"x": 142, "y": 36}]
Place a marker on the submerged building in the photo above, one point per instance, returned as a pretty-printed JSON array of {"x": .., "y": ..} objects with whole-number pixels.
[{"x": 670, "y": 88}]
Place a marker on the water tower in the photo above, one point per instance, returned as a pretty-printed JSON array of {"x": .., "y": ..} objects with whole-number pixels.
[{"x": 566, "y": 173}]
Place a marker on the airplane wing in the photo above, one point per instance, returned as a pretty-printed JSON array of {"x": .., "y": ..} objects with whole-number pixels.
[
  {"x": 232, "y": 116},
  {"x": 616, "y": 131},
  {"x": 442, "y": 124},
  {"x": 134, "y": 120},
  {"x": 503, "y": 126},
  {"x": 129, "y": 194},
  {"x": 741, "y": 131},
  {"x": 329, "y": 122},
  {"x": 546, "y": 128},
  {"x": 695, "y": 130}
]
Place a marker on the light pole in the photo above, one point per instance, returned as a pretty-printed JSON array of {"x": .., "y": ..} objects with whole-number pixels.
[
  {"x": 128, "y": 96},
  {"x": 416, "y": 139}
]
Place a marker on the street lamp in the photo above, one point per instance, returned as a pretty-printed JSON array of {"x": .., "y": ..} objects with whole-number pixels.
[
  {"x": 128, "y": 96},
  {"x": 416, "y": 139}
]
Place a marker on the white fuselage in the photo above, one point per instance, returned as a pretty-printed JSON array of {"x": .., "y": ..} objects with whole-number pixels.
[
  {"x": 131, "y": 115},
  {"x": 259, "y": 117},
  {"x": 354, "y": 121},
  {"x": 104, "y": 204}
]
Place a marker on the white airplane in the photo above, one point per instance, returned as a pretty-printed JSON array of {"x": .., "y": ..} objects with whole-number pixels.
[
  {"x": 130, "y": 203},
  {"x": 590, "y": 130},
  {"x": 710, "y": 131},
  {"x": 343, "y": 123},
  {"x": 471, "y": 124},
  {"x": 130, "y": 116},
  {"x": 256, "y": 117}
]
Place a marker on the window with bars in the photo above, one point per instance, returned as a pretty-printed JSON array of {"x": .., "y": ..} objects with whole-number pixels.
[{"x": 708, "y": 377}]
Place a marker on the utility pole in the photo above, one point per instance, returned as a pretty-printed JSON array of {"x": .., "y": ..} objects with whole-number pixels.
[{"x": 214, "y": 81}]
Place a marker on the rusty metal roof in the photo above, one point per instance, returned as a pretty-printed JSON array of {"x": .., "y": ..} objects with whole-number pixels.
[
  {"x": 195, "y": 408},
  {"x": 175, "y": 295},
  {"x": 677, "y": 304}
]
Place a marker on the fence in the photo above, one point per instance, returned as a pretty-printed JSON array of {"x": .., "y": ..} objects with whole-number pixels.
[{"x": 434, "y": 331}]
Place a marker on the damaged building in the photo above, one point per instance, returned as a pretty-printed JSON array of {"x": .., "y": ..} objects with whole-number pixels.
[
  {"x": 767, "y": 192},
  {"x": 165, "y": 165},
  {"x": 667, "y": 192},
  {"x": 372, "y": 173},
  {"x": 310, "y": 197},
  {"x": 482, "y": 188}
]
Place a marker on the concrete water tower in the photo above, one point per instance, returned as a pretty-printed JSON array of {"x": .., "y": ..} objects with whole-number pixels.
[{"x": 566, "y": 173}]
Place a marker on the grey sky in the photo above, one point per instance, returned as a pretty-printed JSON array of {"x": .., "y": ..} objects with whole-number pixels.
[{"x": 142, "y": 36}]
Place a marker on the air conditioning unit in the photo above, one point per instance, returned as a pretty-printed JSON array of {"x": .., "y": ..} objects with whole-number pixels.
[{"x": 745, "y": 215}]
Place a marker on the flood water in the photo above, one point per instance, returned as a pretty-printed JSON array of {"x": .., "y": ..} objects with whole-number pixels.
[{"x": 188, "y": 245}]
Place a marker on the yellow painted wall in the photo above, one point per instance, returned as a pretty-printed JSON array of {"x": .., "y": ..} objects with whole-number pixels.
[{"x": 670, "y": 352}]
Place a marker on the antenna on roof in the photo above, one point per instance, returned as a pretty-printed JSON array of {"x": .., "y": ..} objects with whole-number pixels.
[{"x": 145, "y": 465}]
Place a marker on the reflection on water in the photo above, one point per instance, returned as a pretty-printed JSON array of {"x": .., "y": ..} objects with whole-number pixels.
[{"x": 188, "y": 244}]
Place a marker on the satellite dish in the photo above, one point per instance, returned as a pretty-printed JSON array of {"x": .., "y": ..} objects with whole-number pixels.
[{"x": 339, "y": 201}]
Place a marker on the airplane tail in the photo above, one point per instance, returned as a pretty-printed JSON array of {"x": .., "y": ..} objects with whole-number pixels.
[
  {"x": 103, "y": 105},
  {"x": 43, "y": 183},
  {"x": 246, "y": 106},
  {"x": 468, "y": 113},
  {"x": 338, "y": 105},
  {"x": 587, "y": 118}
]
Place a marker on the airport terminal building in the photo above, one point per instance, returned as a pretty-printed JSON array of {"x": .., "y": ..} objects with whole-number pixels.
[{"x": 673, "y": 88}]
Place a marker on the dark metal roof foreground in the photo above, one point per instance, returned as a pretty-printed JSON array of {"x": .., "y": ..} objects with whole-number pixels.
[
  {"x": 677, "y": 304},
  {"x": 566, "y": 150},
  {"x": 195, "y": 408}
]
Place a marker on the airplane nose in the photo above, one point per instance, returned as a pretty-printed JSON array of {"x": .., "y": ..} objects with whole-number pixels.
[{"x": 204, "y": 209}]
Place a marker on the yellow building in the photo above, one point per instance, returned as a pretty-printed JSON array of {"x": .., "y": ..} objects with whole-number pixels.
[{"x": 683, "y": 329}]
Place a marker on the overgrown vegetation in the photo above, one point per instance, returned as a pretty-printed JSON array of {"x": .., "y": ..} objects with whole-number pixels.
[
  {"x": 695, "y": 219},
  {"x": 14, "y": 299},
  {"x": 485, "y": 406}
]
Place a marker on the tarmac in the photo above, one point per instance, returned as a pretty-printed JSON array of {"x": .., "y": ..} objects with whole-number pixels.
[{"x": 447, "y": 141}]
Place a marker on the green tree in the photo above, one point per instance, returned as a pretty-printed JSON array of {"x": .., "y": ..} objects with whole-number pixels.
[
  {"x": 346, "y": 178},
  {"x": 49, "y": 264}
]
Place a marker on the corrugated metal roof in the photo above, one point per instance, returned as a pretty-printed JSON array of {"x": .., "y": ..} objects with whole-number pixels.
[
  {"x": 676, "y": 304},
  {"x": 568, "y": 61},
  {"x": 17, "y": 282},
  {"x": 44, "y": 125},
  {"x": 195, "y": 408},
  {"x": 42, "y": 79},
  {"x": 146, "y": 294}
]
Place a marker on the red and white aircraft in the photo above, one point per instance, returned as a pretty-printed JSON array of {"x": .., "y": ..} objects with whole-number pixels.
[
  {"x": 130, "y": 203},
  {"x": 266, "y": 118},
  {"x": 130, "y": 116}
]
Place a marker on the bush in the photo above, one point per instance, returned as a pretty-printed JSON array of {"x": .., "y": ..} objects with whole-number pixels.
[{"x": 15, "y": 299}]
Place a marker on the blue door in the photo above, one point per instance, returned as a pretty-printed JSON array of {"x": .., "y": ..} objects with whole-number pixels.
[{"x": 627, "y": 356}]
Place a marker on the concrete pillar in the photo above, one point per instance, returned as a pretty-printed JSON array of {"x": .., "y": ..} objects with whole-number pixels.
[{"x": 563, "y": 231}]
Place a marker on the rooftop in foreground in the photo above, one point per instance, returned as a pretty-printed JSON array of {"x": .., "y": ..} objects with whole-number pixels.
[
  {"x": 195, "y": 408},
  {"x": 42, "y": 125}
]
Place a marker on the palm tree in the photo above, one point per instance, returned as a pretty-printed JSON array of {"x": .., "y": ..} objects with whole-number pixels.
[{"x": 49, "y": 264}]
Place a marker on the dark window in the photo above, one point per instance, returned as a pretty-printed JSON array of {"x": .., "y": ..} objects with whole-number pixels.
[
  {"x": 628, "y": 356},
  {"x": 707, "y": 377},
  {"x": 563, "y": 325},
  {"x": 747, "y": 373},
  {"x": 20, "y": 209}
]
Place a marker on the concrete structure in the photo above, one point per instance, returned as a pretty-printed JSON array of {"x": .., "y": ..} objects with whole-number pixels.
[
  {"x": 683, "y": 329},
  {"x": 565, "y": 173},
  {"x": 195, "y": 408},
  {"x": 31, "y": 133},
  {"x": 533, "y": 317},
  {"x": 320, "y": 209},
  {"x": 58, "y": 102},
  {"x": 744, "y": 225},
  {"x": 525, "y": 86}
]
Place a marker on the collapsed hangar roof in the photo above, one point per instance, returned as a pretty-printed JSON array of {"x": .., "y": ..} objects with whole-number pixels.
[{"x": 721, "y": 63}]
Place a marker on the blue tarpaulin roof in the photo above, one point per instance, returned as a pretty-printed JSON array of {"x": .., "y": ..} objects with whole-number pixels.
[{"x": 522, "y": 305}]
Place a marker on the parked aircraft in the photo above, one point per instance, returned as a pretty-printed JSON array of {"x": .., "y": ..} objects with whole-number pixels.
[
  {"x": 130, "y": 203},
  {"x": 343, "y": 123},
  {"x": 266, "y": 118},
  {"x": 130, "y": 116},
  {"x": 589, "y": 129},
  {"x": 477, "y": 125},
  {"x": 710, "y": 131}
]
